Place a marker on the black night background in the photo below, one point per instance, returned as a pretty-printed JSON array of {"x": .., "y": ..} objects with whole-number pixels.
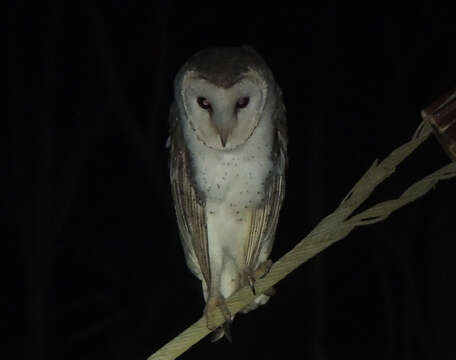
[{"x": 94, "y": 265}]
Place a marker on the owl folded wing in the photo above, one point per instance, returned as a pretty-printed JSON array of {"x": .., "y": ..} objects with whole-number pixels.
[
  {"x": 263, "y": 220},
  {"x": 263, "y": 223},
  {"x": 190, "y": 209}
]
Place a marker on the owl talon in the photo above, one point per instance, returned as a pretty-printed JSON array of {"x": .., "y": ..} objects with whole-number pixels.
[
  {"x": 210, "y": 311},
  {"x": 263, "y": 269},
  {"x": 269, "y": 292},
  {"x": 222, "y": 331},
  {"x": 252, "y": 283},
  {"x": 249, "y": 279}
]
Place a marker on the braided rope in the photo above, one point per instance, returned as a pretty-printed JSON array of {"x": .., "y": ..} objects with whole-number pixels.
[{"x": 332, "y": 228}]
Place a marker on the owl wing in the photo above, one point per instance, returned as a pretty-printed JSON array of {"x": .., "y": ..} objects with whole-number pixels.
[
  {"x": 263, "y": 220},
  {"x": 189, "y": 206}
]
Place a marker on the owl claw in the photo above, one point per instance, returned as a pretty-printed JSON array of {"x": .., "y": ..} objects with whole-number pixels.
[
  {"x": 252, "y": 283},
  {"x": 263, "y": 269},
  {"x": 259, "y": 273},
  {"x": 222, "y": 331},
  {"x": 269, "y": 292},
  {"x": 214, "y": 302}
]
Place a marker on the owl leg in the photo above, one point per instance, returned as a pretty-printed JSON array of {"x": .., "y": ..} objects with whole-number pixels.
[
  {"x": 214, "y": 303},
  {"x": 223, "y": 330}
]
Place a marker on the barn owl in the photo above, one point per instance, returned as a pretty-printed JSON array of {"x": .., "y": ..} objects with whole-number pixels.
[{"x": 228, "y": 154}]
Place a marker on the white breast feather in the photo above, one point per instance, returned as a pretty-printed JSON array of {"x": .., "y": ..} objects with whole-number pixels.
[{"x": 236, "y": 176}]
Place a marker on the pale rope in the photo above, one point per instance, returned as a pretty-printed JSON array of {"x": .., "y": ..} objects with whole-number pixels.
[{"x": 331, "y": 229}]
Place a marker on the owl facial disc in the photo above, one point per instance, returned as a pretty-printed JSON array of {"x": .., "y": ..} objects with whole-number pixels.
[{"x": 223, "y": 118}]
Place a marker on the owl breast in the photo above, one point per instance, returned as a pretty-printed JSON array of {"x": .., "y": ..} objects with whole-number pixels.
[{"x": 237, "y": 177}]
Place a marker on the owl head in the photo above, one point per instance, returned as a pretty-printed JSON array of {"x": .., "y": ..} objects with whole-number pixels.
[{"x": 223, "y": 93}]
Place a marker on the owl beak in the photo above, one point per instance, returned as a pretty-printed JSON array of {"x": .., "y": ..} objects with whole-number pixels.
[
  {"x": 223, "y": 137},
  {"x": 223, "y": 127}
]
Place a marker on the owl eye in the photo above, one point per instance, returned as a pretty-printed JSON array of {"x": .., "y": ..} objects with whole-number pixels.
[
  {"x": 203, "y": 103},
  {"x": 242, "y": 102}
]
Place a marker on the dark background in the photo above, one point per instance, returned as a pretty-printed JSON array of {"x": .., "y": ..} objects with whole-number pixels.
[{"x": 95, "y": 269}]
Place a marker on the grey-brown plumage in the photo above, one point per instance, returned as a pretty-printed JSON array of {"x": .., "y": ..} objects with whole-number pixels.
[{"x": 227, "y": 166}]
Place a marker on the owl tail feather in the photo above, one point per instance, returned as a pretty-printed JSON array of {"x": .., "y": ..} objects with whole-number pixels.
[{"x": 222, "y": 331}]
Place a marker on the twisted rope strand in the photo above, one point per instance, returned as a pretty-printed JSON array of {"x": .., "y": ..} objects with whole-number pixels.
[{"x": 331, "y": 229}]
